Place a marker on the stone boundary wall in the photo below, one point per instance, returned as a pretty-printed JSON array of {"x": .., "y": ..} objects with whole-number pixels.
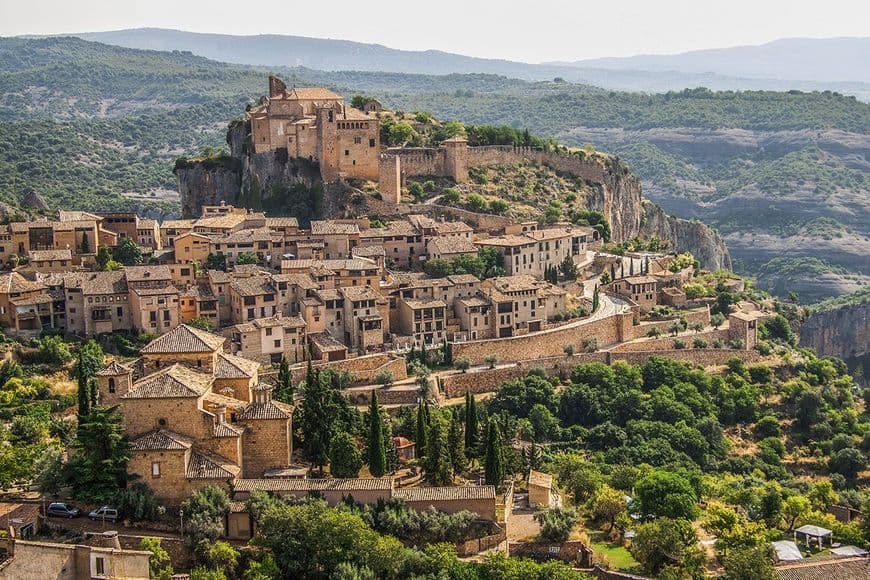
[
  {"x": 364, "y": 368},
  {"x": 691, "y": 316},
  {"x": 385, "y": 396},
  {"x": 488, "y": 380},
  {"x": 573, "y": 552},
  {"x": 478, "y": 545},
  {"x": 667, "y": 343},
  {"x": 421, "y": 161},
  {"x": 548, "y": 343}
]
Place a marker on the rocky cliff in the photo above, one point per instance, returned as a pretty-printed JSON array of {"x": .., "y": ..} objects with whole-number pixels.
[
  {"x": 842, "y": 332},
  {"x": 686, "y": 236},
  {"x": 269, "y": 181}
]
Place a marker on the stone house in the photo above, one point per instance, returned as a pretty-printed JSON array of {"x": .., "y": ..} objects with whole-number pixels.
[
  {"x": 640, "y": 289},
  {"x": 401, "y": 240},
  {"x": 196, "y": 415},
  {"x": 366, "y": 318},
  {"x": 338, "y": 238},
  {"x": 425, "y": 320},
  {"x": 450, "y": 247},
  {"x": 533, "y": 251},
  {"x": 25, "y": 305},
  {"x": 171, "y": 229},
  {"x": 521, "y": 304},
  {"x": 47, "y": 261},
  {"x": 154, "y": 299},
  {"x": 27, "y": 559},
  {"x": 97, "y": 302},
  {"x": 268, "y": 340}
]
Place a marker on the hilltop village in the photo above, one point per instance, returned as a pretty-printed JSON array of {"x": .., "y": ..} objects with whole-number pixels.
[{"x": 235, "y": 335}]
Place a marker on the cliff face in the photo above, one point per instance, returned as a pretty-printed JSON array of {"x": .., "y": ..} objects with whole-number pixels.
[
  {"x": 686, "y": 236},
  {"x": 631, "y": 216},
  {"x": 258, "y": 181},
  {"x": 843, "y": 332}
]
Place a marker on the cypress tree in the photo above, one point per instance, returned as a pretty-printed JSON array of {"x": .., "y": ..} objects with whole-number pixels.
[
  {"x": 92, "y": 391},
  {"x": 456, "y": 444},
  {"x": 377, "y": 450},
  {"x": 472, "y": 428},
  {"x": 86, "y": 244},
  {"x": 596, "y": 300},
  {"x": 422, "y": 429},
  {"x": 284, "y": 382},
  {"x": 448, "y": 353},
  {"x": 438, "y": 467},
  {"x": 631, "y": 266},
  {"x": 424, "y": 356},
  {"x": 494, "y": 468},
  {"x": 613, "y": 272},
  {"x": 84, "y": 397},
  {"x": 412, "y": 354}
]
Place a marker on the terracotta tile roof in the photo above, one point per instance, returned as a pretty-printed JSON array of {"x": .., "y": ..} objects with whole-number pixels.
[
  {"x": 98, "y": 282},
  {"x": 270, "y": 410},
  {"x": 355, "y": 115},
  {"x": 396, "y": 228},
  {"x": 173, "y": 381},
  {"x": 298, "y": 279},
  {"x": 49, "y": 255},
  {"x": 468, "y": 492},
  {"x": 424, "y": 303},
  {"x": 167, "y": 288},
  {"x": 326, "y": 342},
  {"x": 253, "y": 286},
  {"x": 212, "y": 399},
  {"x": 421, "y": 221},
  {"x": 41, "y": 298},
  {"x": 327, "y": 227},
  {"x": 282, "y": 222},
  {"x": 451, "y": 245},
  {"x": 13, "y": 282},
  {"x": 65, "y": 215},
  {"x": 207, "y": 466},
  {"x": 312, "y": 93},
  {"x": 220, "y": 222},
  {"x": 235, "y": 367},
  {"x": 640, "y": 280},
  {"x": 306, "y": 485},
  {"x": 446, "y": 228},
  {"x": 249, "y": 236},
  {"x": 509, "y": 240},
  {"x": 27, "y": 512},
  {"x": 161, "y": 440},
  {"x": 540, "y": 479},
  {"x": 463, "y": 278},
  {"x": 821, "y": 568},
  {"x": 224, "y": 429},
  {"x": 551, "y": 234},
  {"x": 147, "y": 273},
  {"x": 368, "y": 251},
  {"x": 184, "y": 339},
  {"x": 200, "y": 292},
  {"x": 219, "y": 277},
  {"x": 113, "y": 369},
  {"x": 357, "y": 293},
  {"x": 238, "y": 507},
  {"x": 177, "y": 224},
  {"x": 519, "y": 283},
  {"x": 350, "y": 264}
]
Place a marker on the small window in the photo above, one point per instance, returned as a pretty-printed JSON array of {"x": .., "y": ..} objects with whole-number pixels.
[
  {"x": 100, "y": 565},
  {"x": 155, "y": 469},
  {"x": 346, "y": 152},
  {"x": 111, "y": 385}
]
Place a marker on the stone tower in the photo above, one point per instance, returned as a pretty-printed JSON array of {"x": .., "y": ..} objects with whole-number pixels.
[
  {"x": 327, "y": 141},
  {"x": 456, "y": 158},
  {"x": 113, "y": 381},
  {"x": 390, "y": 178}
]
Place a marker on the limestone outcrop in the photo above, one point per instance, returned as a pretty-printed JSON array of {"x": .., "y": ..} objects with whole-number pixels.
[{"x": 842, "y": 332}]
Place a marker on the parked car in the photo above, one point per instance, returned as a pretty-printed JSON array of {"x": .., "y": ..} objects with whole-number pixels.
[
  {"x": 62, "y": 510},
  {"x": 106, "y": 513}
]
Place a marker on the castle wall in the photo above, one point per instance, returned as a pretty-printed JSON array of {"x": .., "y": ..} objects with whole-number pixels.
[
  {"x": 358, "y": 148},
  {"x": 265, "y": 442}
]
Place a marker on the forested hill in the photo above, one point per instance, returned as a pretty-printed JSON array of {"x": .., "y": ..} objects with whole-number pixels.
[{"x": 784, "y": 175}]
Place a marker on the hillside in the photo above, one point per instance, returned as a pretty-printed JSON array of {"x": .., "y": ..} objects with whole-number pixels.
[
  {"x": 805, "y": 64},
  {"x": 82, "y": 122},
  {"x": 823, "y": 59}
]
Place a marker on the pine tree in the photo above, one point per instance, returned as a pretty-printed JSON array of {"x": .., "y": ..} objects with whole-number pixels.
[
  {"x": 494, "y": 468},
  {"x": 472, "y": 428},
  {"x": 438, "y": 467},
  {"x": 377, "y": 450},
  {"x": 456, "y": 444},
  {"x": 422, "y": 429}
]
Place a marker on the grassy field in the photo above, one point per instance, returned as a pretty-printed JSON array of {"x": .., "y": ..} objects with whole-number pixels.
[{"x": 617, "y": 556}]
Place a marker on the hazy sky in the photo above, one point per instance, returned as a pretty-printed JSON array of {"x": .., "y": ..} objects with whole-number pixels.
[{"x": 532, "y": 31}]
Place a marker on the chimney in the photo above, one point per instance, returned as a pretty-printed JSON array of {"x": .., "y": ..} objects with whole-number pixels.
[
  {"x": 263, "y": 393},
  {"x": 220, "y": 414}
]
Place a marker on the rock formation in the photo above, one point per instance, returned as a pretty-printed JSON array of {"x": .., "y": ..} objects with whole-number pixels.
[{"x": 842, "y": 332}]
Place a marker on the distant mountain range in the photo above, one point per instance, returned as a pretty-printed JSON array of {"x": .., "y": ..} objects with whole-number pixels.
[{"x": 837, "y": 64}]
